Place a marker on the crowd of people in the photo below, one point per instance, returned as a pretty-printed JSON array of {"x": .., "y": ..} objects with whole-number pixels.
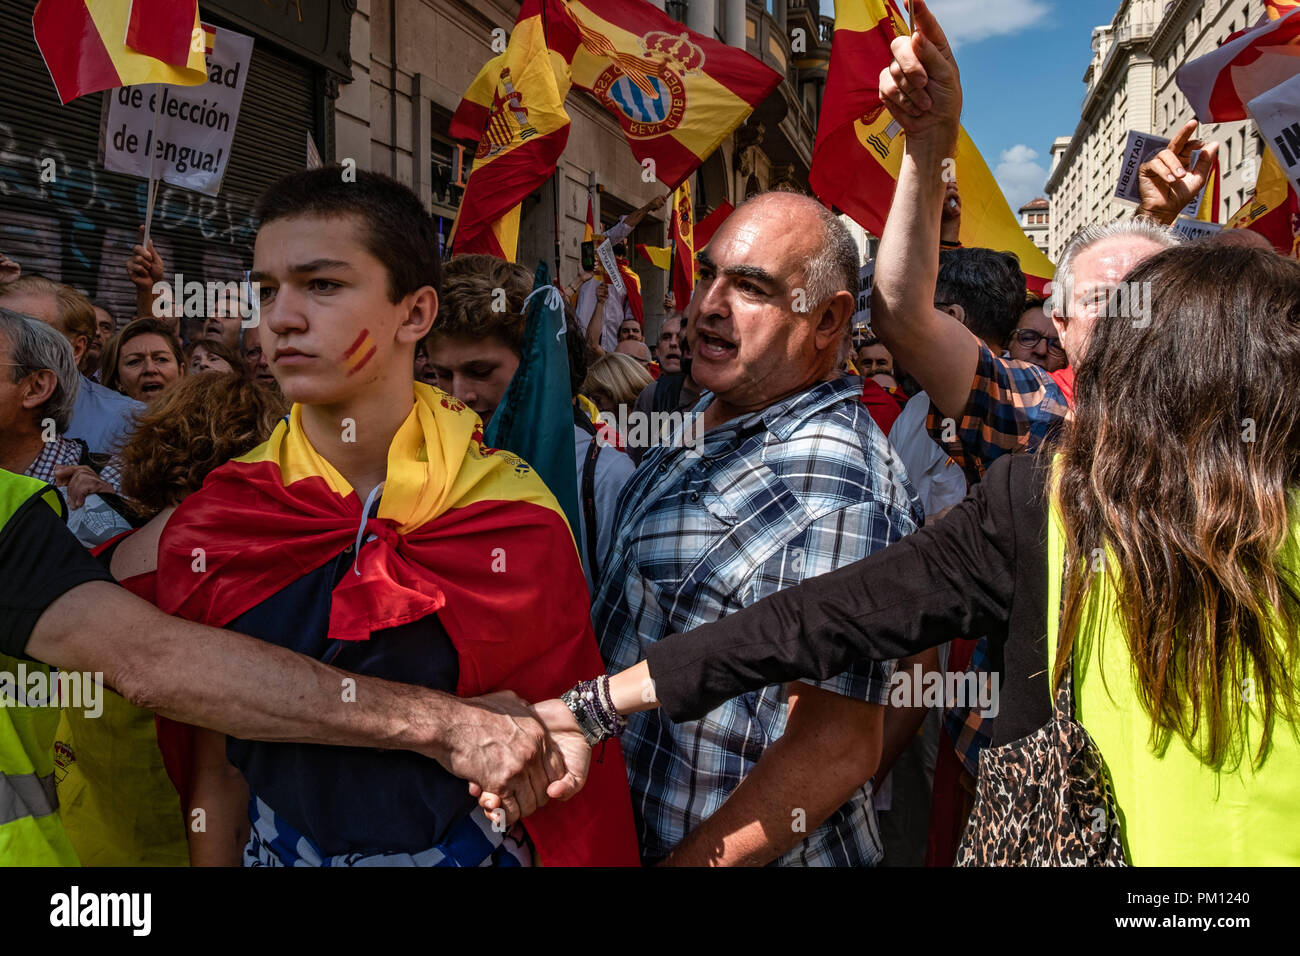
[{"x": 338, "y": 629}]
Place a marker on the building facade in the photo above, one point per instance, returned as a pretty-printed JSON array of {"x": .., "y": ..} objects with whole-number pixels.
[
  {"x": 1035, "y": 220},
  {"x": 1130, "y": 85}
]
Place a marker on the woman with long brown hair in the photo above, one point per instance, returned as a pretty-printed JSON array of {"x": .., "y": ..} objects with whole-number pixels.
[{"x": 1161, "y": 537}]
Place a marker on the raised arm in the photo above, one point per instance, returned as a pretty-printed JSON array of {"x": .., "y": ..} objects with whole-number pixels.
[
  {"x": 922, "y": 89},
  {"x": 634, "y": 218}
]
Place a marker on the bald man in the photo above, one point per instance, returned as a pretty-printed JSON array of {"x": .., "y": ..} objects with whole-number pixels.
[{"x": 794, "y": 480}]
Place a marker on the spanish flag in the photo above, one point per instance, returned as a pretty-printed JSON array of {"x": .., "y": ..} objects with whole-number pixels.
[
  {"x": 1273, "y": 210},
  {"x": 462, "y": 530},
  {"x": 658, "y": 256},
  {"x": 523, "y": 133},
  {"x": 589, "y": 229},
  {"x": 680, "y": 231},
  {"x": 676, "y": 94},
  {"x": 1277, "y": 9},
  {"x": 632, "y": 283},
  {"x": 859, "y": 147},
  {"x": 93, "y": 45}
]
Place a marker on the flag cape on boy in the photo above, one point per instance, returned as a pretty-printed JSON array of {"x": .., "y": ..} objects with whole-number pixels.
[{"x": 461, "y": 530}]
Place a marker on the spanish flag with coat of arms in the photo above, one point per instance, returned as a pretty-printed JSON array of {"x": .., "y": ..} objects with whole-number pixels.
[
  {"x": 515, "y": 110},
  {"x": 859, "y": 147}
]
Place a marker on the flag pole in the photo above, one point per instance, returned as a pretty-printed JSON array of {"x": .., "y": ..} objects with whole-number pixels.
[
  {"x": 555, "y": 196},
  {"x": 153, "y": 165}
]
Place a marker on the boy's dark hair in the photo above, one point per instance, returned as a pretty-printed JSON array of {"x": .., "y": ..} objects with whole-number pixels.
[
  {"x": 988, "y": 285},
  {"x": 397, "y": 231}
]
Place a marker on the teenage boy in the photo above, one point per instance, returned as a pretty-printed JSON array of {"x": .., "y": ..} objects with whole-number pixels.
[{"x": 373, "y": 531}]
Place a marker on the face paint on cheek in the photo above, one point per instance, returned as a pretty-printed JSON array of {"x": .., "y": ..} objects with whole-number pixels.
[{"x": 359, "y": 352}]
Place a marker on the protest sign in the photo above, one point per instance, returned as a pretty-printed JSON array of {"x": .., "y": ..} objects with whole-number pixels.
[
  {"x": 605, "y": 253},
  {"x": 1140, "y": 148},
  {"x": 1190, "y": 229},
  {"x": 1277, "y": 114},
  {"x": 181, "y": 134}
]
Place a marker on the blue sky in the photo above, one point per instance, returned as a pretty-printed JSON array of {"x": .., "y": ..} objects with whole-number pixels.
[{"x": 1022, "y": 65}]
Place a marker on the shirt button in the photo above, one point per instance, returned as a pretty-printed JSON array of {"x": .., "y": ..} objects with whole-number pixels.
[{"x": 695, "y": 496}]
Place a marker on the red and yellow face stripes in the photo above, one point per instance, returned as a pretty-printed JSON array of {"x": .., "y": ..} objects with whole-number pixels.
[{"x": 361, "y": 351}]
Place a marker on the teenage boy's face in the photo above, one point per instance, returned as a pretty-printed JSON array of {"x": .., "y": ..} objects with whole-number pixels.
[
  {"x": 328, "y": 329},
  {"x": 477, "y": 371}
]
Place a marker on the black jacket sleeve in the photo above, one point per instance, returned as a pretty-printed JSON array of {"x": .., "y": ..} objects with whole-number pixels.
[
  {"x": 956, "y": 577},
  {"x": 40, "y": 561}
]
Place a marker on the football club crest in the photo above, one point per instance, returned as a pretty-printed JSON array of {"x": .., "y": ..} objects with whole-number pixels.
[{"x": 646, "y": 93}]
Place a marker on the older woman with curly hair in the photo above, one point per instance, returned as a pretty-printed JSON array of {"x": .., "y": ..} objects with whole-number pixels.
[{"x": 117, "y": 804}]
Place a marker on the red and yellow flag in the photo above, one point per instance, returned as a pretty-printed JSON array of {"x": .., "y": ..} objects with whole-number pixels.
[
  {"x": 1219, "y": 84},
  {"x": 523, "y": 133},
  {"x": 589, "y": 230},
  {"x": 859, "y": 147},
  {"x": 1208, "y": 210},
  {"x": 706, "y": 227},
  {"x": 93, "y": 45},
  {"x": 1273, "y": 210},
  {"x": 632, "y": 283},
  {"x": 661, "y": 257},
  {"x": 274, "y": 515},
  {"x": 682, "y": 277},
  {"x": 676, "y": 94},
  {"x": 1277, "y": 9}
]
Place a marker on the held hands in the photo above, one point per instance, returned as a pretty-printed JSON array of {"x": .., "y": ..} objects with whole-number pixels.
[
  {"x": 1165, "y": 182},
  {"x": 922, "y": 86},
  {"x": 518, "y": 757},
  {"x": 567, "y": 738}
]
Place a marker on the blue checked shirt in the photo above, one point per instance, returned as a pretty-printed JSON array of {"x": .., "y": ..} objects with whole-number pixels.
[{"x": 803, "y": 487}]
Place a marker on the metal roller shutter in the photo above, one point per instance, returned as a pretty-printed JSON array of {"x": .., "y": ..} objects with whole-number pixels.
[{"x": 80, "y": 227}]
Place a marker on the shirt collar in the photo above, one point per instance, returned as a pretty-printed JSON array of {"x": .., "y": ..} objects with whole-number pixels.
[{"x": 783, "y": 417}]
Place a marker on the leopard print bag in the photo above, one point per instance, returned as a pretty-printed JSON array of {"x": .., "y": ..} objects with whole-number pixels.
[{"x": 1044, "y": 800}]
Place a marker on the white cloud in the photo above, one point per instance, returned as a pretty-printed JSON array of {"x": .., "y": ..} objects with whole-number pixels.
[
  {"x": 969, "y": 21},
  {"x": 1019, "y": 176}
]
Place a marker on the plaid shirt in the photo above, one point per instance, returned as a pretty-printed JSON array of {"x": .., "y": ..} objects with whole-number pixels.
[
  {"x": 793, "y": 491},
  {"x": 1013, "y": 406},
  {"x": 68, "y": 451}
]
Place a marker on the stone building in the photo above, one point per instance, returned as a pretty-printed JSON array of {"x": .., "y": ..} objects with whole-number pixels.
[
  {"x": 1130, "y": 85},
  {"x": 1035, "y": 220}
]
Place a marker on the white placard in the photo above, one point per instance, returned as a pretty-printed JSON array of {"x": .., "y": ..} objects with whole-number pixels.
[
  {"x": 1277, "y": 114},
  {"x": 195, "y": 124},
  {"x": 1189, "y": 229},
  {"x": 605, "y": 253},
  {"x": 1139, "y": 148}
]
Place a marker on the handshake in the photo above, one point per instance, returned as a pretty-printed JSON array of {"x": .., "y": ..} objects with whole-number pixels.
[{"x": 515, "y": 756}]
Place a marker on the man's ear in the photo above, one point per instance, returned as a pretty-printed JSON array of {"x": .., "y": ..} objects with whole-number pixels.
[
  {"x": 956, "y": 311},
  {"x": 834, "y": 321},
  {"x": 422, "y": 309},
  {"x": 79, "y": 345},
  {"x": 38, "y": 388}
]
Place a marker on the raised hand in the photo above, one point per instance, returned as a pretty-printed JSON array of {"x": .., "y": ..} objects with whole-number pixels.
[
  {"x": 145, "y": 267},
  {"x": 921, "y": 86},
  {"x": 1165, "y": 182}
]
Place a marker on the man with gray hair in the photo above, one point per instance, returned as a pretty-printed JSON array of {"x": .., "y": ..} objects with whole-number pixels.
[
  {"x": 38, "y": 391},
  {"x": 994, "y": 405},
  {"x": 793, "y": 480}
]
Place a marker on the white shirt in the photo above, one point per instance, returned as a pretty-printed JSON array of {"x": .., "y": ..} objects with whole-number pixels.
[
  {"x": 617, "y": 310},
  {"x": 936, "y": 478}
]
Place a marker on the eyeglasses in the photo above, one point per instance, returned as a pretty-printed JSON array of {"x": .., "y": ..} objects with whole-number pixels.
[{"x": 1029, "y": 338}]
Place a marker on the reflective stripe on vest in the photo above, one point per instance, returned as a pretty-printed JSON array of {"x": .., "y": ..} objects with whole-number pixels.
[{"x": 26, "y": 795}]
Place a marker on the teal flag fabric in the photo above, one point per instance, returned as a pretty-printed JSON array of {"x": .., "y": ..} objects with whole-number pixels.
[{"x": 535, "y": 418}]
